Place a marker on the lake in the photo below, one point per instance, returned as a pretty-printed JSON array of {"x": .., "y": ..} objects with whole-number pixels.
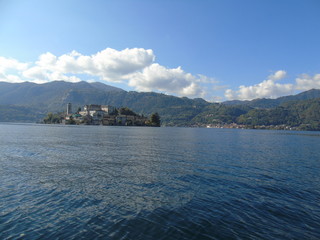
[{"x": 99, "y": 182}]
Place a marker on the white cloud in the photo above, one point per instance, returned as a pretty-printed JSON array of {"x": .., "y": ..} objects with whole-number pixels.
[
  {"x": 10, "y": 70},
  {"x": 109, "y": 65},
  {"x": 9, "y": 63},
  {"x": 47, "y": 60},
  {"x": 11, "y": 78},
  {"x": 112, "y": 63},
  {"x": 135, "y": 67},
  {"x": 36, "y": 73},
  {"x": 268, "y": 88},
  {"x": 306, "y": 82},
  {"x": 175, "y": 80},
  {"x": 278, "y": 75}
]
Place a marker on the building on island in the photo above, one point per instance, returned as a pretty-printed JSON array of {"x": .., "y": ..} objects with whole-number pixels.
[{"x": 104, "y": 115}]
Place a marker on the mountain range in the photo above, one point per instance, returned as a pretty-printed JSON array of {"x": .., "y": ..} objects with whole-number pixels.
[
  {"x": 269, "y": 103},
  {"x": 30, "y": 102}
]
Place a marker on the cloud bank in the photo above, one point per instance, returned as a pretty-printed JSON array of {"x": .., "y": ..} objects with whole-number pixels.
[
  {"x": 158, "y": 77},
  {"x": 135, "y": 67},
  {"x": 271, "y": 88},
  {"x": 306, "y": 82}
]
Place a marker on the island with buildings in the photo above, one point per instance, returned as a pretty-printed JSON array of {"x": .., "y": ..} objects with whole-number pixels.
[{"x": 107, "y": 115}]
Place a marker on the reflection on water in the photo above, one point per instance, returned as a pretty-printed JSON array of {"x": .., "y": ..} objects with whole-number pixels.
[{"x": 92, "y": 182}]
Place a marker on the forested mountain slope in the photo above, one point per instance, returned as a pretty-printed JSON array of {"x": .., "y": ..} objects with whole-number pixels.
[{"x": 30, "y": 102}]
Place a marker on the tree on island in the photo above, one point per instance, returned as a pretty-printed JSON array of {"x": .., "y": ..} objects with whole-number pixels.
[
  {"x": 52, "y": 118},
  {"x": 155, "y": 120},
  {"x": 126, "y": 111}
]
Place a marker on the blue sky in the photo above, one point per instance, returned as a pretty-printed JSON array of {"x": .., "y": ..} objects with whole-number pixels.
[{"x": 215, "y": 49}]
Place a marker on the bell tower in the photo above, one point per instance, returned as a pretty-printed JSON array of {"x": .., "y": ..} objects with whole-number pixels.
[{"x": 69, "y": 108}]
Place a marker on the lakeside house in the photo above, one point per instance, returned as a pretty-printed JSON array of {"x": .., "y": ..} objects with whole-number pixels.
[{"x": 94, "y": 114}]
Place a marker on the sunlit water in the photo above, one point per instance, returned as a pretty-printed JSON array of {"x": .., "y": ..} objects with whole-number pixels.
[{"x": 95, "y": 182}]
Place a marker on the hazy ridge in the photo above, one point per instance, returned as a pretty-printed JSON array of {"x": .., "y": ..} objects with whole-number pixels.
[{"x": 30, "y": 102}]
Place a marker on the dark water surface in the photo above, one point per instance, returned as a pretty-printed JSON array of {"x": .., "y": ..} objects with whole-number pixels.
[{"x": 92, "y": 182}]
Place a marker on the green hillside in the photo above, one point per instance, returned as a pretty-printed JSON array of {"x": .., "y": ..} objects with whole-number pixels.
[
  {"x": 303, "y": 115},
  {"x": 30, "y": 102},
  {"x": 54, "y": 97}
]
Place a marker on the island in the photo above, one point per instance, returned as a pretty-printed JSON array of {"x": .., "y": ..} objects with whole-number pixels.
[{"x": 106, "y": 115}]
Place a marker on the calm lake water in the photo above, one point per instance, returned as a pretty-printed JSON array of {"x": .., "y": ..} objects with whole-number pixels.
[{"x": 98, "y": 182}]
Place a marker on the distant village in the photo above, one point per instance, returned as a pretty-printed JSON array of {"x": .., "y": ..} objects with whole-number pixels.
[{"x": 107, "y": 115}]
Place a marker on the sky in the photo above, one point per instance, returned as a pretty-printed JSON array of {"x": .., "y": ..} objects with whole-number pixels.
[{"x": 215, "y": 49}]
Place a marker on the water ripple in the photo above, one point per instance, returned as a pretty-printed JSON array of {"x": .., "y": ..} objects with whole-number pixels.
[{"x": 61, "y": 182}]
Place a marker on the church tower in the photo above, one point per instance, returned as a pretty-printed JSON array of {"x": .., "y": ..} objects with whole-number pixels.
[{"x": 69, "y": 108}]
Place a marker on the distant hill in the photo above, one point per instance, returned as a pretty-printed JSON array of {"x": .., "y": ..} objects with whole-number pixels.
[
  {"x": 13, "y": 113},
  {"x": 30, "y": 102},
  {"x": 299, "y": 114},
  {"x": 271, "y": 103},
  {"x": 106, "y": 88},
  {"x": 54, "y": 96}
]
